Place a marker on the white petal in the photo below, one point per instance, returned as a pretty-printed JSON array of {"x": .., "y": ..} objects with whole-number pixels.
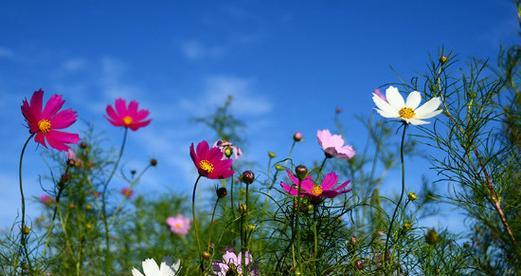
[
  {"x": 417, "y": 122},
  {"x": 167, "y": 270},
  {"x": 429, "y": 115},
  {"x": 394, "y": 98},
  {"x": 150, "y": 268},
  {"x": 428, "y": 107},
  {"x": 387, "y": 114},
  {"x": 136, "y": 272},
  {"x": 383, "y": 105},
  {"x": 414, "y": 99}
]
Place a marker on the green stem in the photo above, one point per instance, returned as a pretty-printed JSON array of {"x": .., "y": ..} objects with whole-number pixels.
[
  {"x": 104, "y": 204},
  {"x": 196, "y": 227},
  {"x": 211, "y": 223},
  {"x": 23, "y": 238},
  {"x": 322, "y": 166},
  {"x": 401, "y": 194}
]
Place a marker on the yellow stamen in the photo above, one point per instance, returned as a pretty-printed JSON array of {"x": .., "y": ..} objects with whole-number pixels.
[
  {"x": 316, "y": 190},
  {"x": 177, "y": 225},
  {"x": 44, "y": 126},
  {"x": 127, "y": 120},
  {"x": 406, "y": 113},
  {"x": 206, "y": 166}
]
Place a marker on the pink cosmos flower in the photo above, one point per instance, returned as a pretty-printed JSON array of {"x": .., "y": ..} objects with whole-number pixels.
[
  {"x": 45, "y": 122},
  {"x": 228, "y": 149},
  {"x": 333, "y": 145},
  {"x": 179, "y": 224},
  {"x": 46, "y": 200},
  {"x": 379, "y": 93},
  {"x": 130, "y": 117},
  {"x": 127, "y": 192},
  {"x": 209, "y": 162},
  {"x": 231, "y": 264},
  {"x": 72, "y": 159},
  {"x": 327, "y": 189}
]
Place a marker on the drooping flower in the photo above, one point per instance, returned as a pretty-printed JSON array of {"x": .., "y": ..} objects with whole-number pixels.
[
  {"x": 231, "y": 264},
  {"x": 228, "y": 149},
  {"x": 327, "y": 189},
  {"x": 46, "y": 200},
  {"x": 150, "y": 268},
  {"x": 127, "y": 192},
  {"x": 209, "y": 161},
  {"x": 179, "y": 224},
  {"x": 334, "y": 145},
  {"x": 43, "y": 121},
  {"x": 409, "y": 111},
  {"x": 129, "y": 117}
]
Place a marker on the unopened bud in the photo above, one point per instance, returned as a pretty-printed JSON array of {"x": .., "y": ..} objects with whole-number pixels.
[
  {"x": 243, "y": 208},
  {"x": 407, "y": 226},
  {"x": 444, "y": 59},
  {"x": 432, "y": 237},
  {"x": 297, "y": 137},
  {"x": 221, "y": 192},
  {"x": 301, "y": 171},
  {"x": 271, "y": 154},
  {"x": 251, "y": 227},
  {"x": 247, "y": 177},
  {"x": 206, "y": 255},
  {"x": 26, "y": 229},
  {"x": 411, "y": 196},
  {"x": 353, "y": 241},
  {"x": 153, "y": 162},
  {"x": 84, "y": 145},
  {"x": 228, "y": 151},
  {"x": 279, "y": 167},
  {"x": 359, "y": 264},
  {"x": 88, "y": 207}
]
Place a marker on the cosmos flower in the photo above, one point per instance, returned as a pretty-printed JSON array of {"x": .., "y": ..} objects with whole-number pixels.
[
  {"x": 46, "y": 200},
  {"x": 129, "y": 117},
  {"x": 327, "y": 189},
  {"x": 43, "y": 121},
  {"x": 72, "y": 159},
  {"x": 127, "y": 192},
  {"x": 231, "y": 264},
  {"x": 209, "y": 161},
  {"x": 333, "y": 145},
  {"x": 150, "y": 268},
  {"x": 228, "y": 149},
  {"x": 379, "y": 93},
  {"x": 409, "y": 111},
  {"x": 179, "y": 224}
]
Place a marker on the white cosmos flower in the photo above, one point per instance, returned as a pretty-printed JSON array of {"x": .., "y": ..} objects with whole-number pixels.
[
  {"x": 409, "y": 111},
  {"x": 150, "y": 268}
]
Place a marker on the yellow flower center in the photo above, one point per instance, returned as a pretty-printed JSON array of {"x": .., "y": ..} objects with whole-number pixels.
[
  {"x": 316, "y": 190},
  {"x": 44, "y": 126},
  {"x": 177, "y": 225},
  {"x": 127, "y": 120},
  {"x": 406, "y": 113},
  {"x": 206, "y": 166}
]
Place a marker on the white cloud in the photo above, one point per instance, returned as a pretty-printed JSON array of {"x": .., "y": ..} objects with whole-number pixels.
[
  {"x": 195, "y": 50},
  {"x": 74, "y": 64},
  {"x": 6, "y": 53}
]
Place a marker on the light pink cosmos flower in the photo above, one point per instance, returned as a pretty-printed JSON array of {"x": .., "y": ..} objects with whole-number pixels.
[
  {"x": 334, "y": 145},
  {"x": 129, "y": 117},
  {"x": 72, "y": 159},
  {"x": 228, "y": 149},
  {"x": 231, "y": 264},
  {"x": 44, "y": 121},
  {"x": 46, "y": 200},
  {"x": 327, "y": 189},
  {"x": 179, "y": 224},
  {"x": 127, "y": 192}
]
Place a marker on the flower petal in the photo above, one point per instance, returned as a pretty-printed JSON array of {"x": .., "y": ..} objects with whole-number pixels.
[
  {"x": 383, "y": 105},
  {"x": 150, "y": 267},
  {"x": 414, "y": 99},
  {"x": 63, "y": 119},
  {"x": 417, "y": 122},
  {"x": 394, "y": 98},
  {"x": 428, "y": 107},
  {"x": 121, "y": 107},
  {"x": 329, "y": 181},
  {"x": 53, "y": 105},
  {"x": 429, "y": 115}
]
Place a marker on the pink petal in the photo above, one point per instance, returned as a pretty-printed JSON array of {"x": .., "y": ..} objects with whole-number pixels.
[
  {"x": 121, "y": 107},
  {"x": 111, "y": 113},
  {"x": 59, "y": 139},
  {"x": 39, "y": 138},
  {"x": 141, "y": 114},
  {"x": 202, "y": 149},
  {"x": 136, "y": 126},
  {"x": 53, "y": 105},
  {"x": 132, "y": 108},
  {"x": 329, "y": 181},
  {"x": 36, "y": 102},
  {"x": 193, "y": 155},
  {"x": 63, "y": 119}
]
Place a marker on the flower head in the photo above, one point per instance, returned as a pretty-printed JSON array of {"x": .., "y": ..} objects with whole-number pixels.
[
  {"x": 43, "y": 121},
  {"x": 46, "y": 200},
  {"x": 228, "y": 149},
  {"x": 179, "y": 224},
  {"x": 231, "y": 264},
  {"x": 409, "y": 111},
  {"x": 150, "y": 268},
  {"x": 127, "y": 116},
  {"x": 127, "y": 192},
  {"x": 209, "y": 161},
  {"x": 334, "y": 145},
  {"x": 327, "y": 189}
]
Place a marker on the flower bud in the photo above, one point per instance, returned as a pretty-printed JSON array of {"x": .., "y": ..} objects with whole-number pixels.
[
  {"x": 407, "y": 225},
  {"x": 301, "y": 171},
  {"x": 228, "y": 151},
  {"x": 353, "y": 241},
  {"x": 279, "y": 167},
  {"x": 89, "y": 226},
  {"x": 84, "y": 145},
  {"x": 251, "y": 227},
  {"x": 247, "y": 177},
  {"x": 221, "y": 192},
  {"x": 206, "y": 255},
  {"x": 359, "y": 264},
  {"x": 431, "y": 237},
  {"x": 444, "y": 59},
  {"x": 71, "y": 162},
  {"x": 411, "y": 196},
  {"x": 297, "y": 137},
  {"x": 338, "y": 110},
  {"x": 88, "y": 207},
  {"x": 271, "y": 154},
  {"x": 72, "y": 206},
  {"x": 26, "y": 229},
  {"x": 153, "y": 162},
  {"x": 133, "y": 172},
  {"x": 243, "y": 208}
]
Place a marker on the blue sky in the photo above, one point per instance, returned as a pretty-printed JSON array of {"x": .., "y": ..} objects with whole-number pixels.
[{"x": 287, "y": 63}]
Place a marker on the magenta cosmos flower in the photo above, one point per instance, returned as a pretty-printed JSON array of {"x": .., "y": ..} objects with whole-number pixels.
[
  {"x": 334, "y": 145},
  {"x": 209, "y": 161},
  {"x": 129, "y": 117},
  {"x": 328, "y": 188},
  {"x": 231, "y": 264},
  {"x": 179, "y": 224},
  {"x": 43, "y": 121}
]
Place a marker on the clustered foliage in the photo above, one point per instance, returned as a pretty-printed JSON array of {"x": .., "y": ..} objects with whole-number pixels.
[{"x": 474, "y": 149}]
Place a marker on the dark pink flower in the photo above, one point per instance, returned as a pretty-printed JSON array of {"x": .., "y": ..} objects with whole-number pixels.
[
  {"x": 127, "y": 192},
  {"x": 334, "y": 145},
  {"x": 130, "y": 117},
  {"x": 209, "y": 161},
  {"x": 46, "y": 200},
  {"x": 327, "y": 189},
  {"x": 43, "y": 121}
]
